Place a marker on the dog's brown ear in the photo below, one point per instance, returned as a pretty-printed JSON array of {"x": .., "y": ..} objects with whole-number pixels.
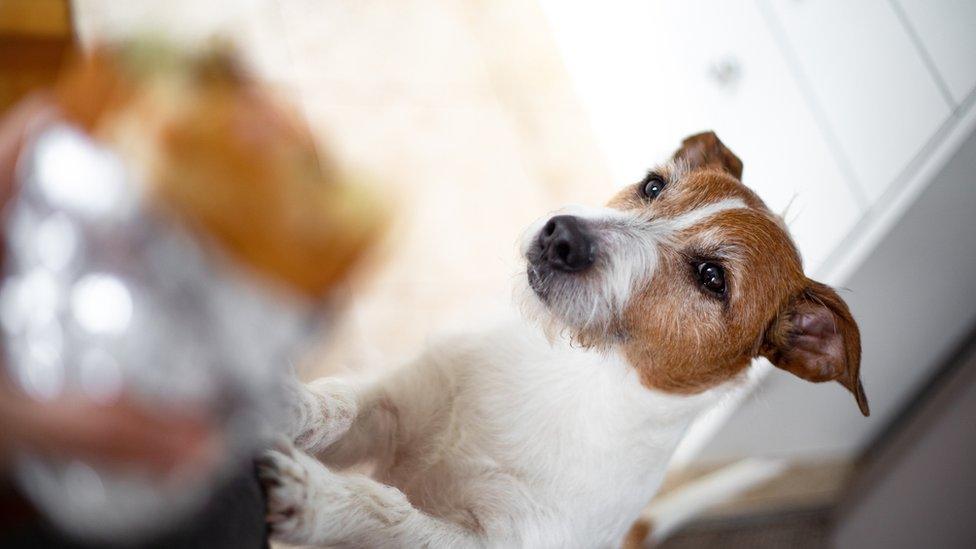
[
  {"x": 706, "y": 150},
  {"x": 816, "y": 338}
]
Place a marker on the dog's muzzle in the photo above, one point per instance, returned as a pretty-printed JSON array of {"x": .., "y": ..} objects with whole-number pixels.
[{"x": 563, "y": 246}]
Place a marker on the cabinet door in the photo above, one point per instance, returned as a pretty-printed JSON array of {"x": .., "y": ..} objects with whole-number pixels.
[
  {"x": 947, "y": 31},
  {"x": 738, "y": 78},
  {"x": 878, "y": 98},
  {"x": 652, "y": 73}
]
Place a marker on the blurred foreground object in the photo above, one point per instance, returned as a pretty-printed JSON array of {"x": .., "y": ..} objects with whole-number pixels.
[
  {"x": 172, "y": 240},
  {"x": 35, "y": 37},
  {"x": 217, "y": 150}
]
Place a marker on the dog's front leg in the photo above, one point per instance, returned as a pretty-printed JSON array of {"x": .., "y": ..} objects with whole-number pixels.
[
  {"x": 342, "y": 422},
  {"x": 310, "y": 505},
  {"x": 321, "y": 412}
]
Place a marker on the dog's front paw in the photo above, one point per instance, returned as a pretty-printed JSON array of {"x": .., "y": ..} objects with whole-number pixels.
[
  {"x": 328, "y": 409},
  {"x": 286, "y": 482}
]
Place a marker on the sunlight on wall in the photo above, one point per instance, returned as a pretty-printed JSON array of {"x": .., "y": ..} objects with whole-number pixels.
[{"x": 462, "y": 112}]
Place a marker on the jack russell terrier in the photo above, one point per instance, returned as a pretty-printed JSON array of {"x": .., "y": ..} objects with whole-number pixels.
[{"x": 556, "y": 430}]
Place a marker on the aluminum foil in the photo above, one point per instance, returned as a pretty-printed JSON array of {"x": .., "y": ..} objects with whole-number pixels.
[{"x": 103, "y": 295}]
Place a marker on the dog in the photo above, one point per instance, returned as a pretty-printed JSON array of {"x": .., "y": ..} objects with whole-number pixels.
[{"x": 555, "y": 429}]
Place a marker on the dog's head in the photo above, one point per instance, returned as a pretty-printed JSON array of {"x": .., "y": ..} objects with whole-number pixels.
[{"x": 690, "y": 276}]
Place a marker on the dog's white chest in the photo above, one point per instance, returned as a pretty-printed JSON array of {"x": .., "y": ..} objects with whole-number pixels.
[{"x": 538, "y": 424}]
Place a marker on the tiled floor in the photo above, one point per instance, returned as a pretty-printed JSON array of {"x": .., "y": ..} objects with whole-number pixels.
[{"x": 460, "y": 110}]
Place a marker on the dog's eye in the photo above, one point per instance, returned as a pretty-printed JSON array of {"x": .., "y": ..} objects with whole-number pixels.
[
  {"x": 652, "y": 185},
  {"x": 712, "y": 277}
]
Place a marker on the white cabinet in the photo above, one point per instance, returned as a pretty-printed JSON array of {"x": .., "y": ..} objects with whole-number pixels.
[
  {"x": 878, "y": 98},
  {"x": 649, "y": 74},
  {"x": 736, "y": 78},
  {"x": 947, "y": 31}
]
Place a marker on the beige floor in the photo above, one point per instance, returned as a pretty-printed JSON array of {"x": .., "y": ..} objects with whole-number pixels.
[{"x": 461, "y": 111}]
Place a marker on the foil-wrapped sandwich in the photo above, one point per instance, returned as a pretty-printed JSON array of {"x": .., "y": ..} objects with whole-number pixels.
[{"x": 173, "y": 239}]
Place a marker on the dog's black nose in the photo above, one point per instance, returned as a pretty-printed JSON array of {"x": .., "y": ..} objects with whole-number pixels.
[{"x": 565, "y": 244}]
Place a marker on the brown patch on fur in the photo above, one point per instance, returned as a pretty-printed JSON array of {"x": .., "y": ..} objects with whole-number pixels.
[
  {"x": 695, "y": 189},
  {"x": 815, "y": 338},
  {"x": 637, "y": 534},
  {"x": 684, "y": 340},
  {"x": 706, "y": 150}
]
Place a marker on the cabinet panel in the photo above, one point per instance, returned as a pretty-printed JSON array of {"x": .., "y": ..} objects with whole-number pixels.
[
  {"x": 947, "y": 29},
  {"x": 736, "y": 75},
  {"x": 877, "y": 96},
  {"x": 651, "y": 73}
]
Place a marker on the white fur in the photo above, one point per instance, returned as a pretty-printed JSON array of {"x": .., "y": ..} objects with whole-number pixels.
[
  {"x": 696, "y": 216},
  {"x": 499, "y": 439},
  {"x": 628, "y": 253},
  {"x": 506, "y": 438}
]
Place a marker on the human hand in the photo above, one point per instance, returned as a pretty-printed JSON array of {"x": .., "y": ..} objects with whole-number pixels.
[{"x": 119, "y": 434}]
